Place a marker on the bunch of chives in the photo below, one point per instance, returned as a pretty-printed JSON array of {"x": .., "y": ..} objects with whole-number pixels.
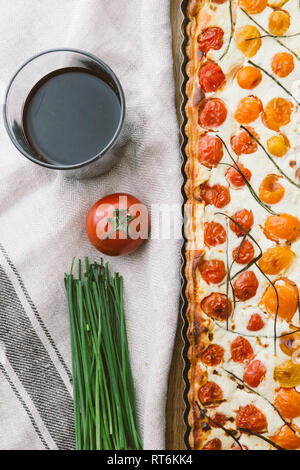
[{"x": 104, "y": 396}]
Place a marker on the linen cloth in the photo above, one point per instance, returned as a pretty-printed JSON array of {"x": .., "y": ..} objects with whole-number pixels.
[{"x": 42, "y": 221}]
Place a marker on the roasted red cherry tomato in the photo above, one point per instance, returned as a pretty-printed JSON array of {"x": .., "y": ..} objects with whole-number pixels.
[
  {"x": 241, "y": 349},
  {"x": 216, "y": 195},
  {"x": 212, "y": 113},
  {"x": 255, "y": 323},
  {"x": 235, "y": 446},
  {"x": 235, "y": 178},
  {"x": 250, "y": 417},
  {"x": 218, "y": 418},
  {"x": 211, "y": 77},
  {"x": 211, "y": 38},
  {"x": 213, "y": 444},
  {"x": 243, "y": 142},
  {"x": 212, "y": 271},
  {"x": 210, "y": 394},
  {"x": 245, "y": 286},
  {"x": 118, "y": 224},
  {"x": 214, "y": 234},
  {"x": 210, "y": 150},
  {"x": 213, "y": 355},
  {"x": 245, "y": 219},
  {"x": 217, "y": 306},
  {"x": 244, "y": 253},
  {"x": 254, "y": 373}
]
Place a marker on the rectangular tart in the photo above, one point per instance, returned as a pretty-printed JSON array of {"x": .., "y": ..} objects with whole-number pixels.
[{"x": 242, "y": 224}]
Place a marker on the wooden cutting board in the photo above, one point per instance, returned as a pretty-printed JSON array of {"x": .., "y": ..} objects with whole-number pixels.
[{"x": 175, "y": 427}]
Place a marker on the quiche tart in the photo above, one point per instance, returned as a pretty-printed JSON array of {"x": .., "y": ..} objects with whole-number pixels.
[{"x": 243, "y": 223}]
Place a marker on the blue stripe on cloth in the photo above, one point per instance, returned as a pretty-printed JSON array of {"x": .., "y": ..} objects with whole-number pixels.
[{"x": 34, "y": 367}]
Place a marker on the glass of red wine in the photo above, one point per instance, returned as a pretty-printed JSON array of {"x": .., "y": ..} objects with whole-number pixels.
[{"x": 64, "y": 109}]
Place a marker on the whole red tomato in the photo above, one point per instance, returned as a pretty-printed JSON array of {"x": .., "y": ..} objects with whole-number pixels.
[{"x": 118, "y": 224}]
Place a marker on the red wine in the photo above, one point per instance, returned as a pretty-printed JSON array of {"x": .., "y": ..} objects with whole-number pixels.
[{"x": 71, "y": 115}]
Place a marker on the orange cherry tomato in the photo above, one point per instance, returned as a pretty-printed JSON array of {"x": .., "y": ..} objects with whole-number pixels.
[
  {"x": 213, "y": 444},
  {"x": 214, "y": 234},
  {"x": 243, "y": 142},
  {"x": 212, "y": 113},
  {"x": 248, "y": 40},
  {"x": 241, "y": 349},
  {"x": 249, "y": 77},
  {"x": 210, "y": 394},
  {"x": 253, "y": 6},
  {"x": 245, "y": 285},
  {"x": 234, "y": 177},
  {"x": 282, "y": 64},
  {"x": 213, "y": 355},
  {"x": 276, "y": 259},
  {"x": 219, "y": 418},
  {"x": 212, "y": 271},
  {"x": 287, "y": 401},
  {"x": 270, "y": 191},
  {"x": 288, "y": 296},
  {"x": 282, "y": 227},
  {"x": 210, "y": 150},
  {"x": 245, "y": 219},
  {"x": 217, "y": 306},
  {"x": 255, "y": 323},
  {"x": 217, "y": 195},
  {"x": 286, "y": 438},
  {"x": 290, "y": 343},
  {"x": 250, "y": 417},
  {"x": 211, "y": 77},
  {"x": 278, "y": 113},
  {"x": 278, "y": 145},
  {"x": 254, "y": 373},
  {"x": 211, "y": 38},
  {"x": 244, "y": 253},
  {"x": 279, "y": 22},
  {"x": 248, "y": 110}
]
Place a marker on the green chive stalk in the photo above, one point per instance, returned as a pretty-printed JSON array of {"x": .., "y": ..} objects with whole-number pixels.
[{"x": 104, "y": 395}]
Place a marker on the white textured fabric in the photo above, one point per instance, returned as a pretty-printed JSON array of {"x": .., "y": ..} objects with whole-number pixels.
[{"x": 42, "y": 214}]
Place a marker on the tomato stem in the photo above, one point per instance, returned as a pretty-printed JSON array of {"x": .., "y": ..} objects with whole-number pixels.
[{"x": 120, "y": 222}]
